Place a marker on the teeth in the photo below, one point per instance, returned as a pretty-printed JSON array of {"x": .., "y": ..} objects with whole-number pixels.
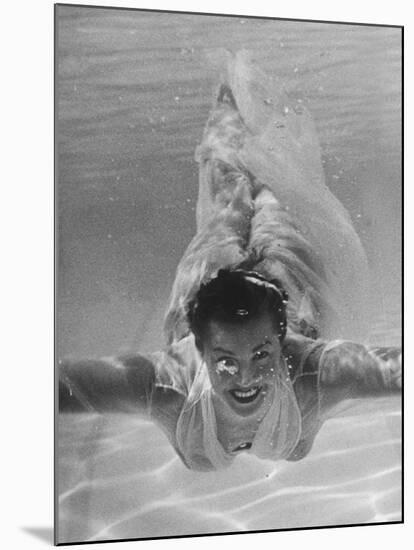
[{"x": 246, "y": 393}]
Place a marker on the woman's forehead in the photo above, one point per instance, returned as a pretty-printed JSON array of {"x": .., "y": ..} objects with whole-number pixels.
[{"x": 249, "y": 333}]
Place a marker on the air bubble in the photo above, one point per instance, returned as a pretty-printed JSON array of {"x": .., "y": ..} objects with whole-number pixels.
[{"x": 230, "y": 370}]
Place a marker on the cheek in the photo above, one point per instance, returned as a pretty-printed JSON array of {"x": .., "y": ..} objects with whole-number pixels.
[
  {"x": 268, "y": 369},
  {"x": 219, "y": 378}
]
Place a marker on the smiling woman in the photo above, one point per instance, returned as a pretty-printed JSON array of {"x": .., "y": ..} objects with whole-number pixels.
[{"x": 246, "y": 386}]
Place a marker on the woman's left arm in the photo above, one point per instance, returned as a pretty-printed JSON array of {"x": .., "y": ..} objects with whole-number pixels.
[{"x": 348, "y": 371}]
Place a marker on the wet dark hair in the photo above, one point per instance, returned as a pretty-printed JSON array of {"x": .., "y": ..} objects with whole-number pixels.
[{"x": 237, "y": 296}]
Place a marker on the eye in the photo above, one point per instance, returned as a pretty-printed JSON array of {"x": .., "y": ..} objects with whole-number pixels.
[
  {"x": 260, "y": 355},
  {"x": 227, "y": 364}
]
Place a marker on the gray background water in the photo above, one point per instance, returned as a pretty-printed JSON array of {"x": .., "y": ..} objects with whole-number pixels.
[{"x": 133, "y": 93}]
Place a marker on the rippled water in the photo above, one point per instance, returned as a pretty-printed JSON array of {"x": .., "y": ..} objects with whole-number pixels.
[
  {"x": 114, "y": 485},
  {"x": 134, "y": 91}
]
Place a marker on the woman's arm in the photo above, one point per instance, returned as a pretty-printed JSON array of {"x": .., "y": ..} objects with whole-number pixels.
[
  {"x": 124, "y": 384},
  {"x": 341, "y": 370},
  {"x": 348, "y": 370},
  {"x": 326, "y": 373}
]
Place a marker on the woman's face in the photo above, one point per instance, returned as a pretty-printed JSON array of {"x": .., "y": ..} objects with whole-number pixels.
[{"x": 242, "y": 361}]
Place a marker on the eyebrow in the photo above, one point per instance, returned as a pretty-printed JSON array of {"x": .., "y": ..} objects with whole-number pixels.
[
  {"x": 222, "y": 350},
  {"x": 256, "y": 348},
  {"x": 262, "y": 345}
]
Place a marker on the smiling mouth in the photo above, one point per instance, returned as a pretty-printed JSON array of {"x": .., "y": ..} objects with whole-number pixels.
[{"x": 246, "y": 396}]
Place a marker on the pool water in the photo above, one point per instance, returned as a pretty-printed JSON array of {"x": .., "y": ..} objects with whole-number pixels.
[
  {"x": 113, "y": 484},
  {"x": 133, "y": 93}
]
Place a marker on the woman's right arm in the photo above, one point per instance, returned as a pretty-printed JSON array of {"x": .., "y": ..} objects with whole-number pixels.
[{"x": 122, "y": 384}]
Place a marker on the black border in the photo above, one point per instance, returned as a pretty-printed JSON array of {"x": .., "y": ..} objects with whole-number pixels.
[
  {"x": 199, "y": 535},
  {"x": 231, "y": 15},
  {"x": 402, "y": 272},
  {"x": 55, "y": 250}
]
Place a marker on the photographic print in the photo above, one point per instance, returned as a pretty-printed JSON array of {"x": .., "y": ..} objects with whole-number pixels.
[{"x": 228, "y": 274}]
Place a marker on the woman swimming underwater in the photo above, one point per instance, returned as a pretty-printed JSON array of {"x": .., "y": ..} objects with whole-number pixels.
[{"x": 266, "y": 294}]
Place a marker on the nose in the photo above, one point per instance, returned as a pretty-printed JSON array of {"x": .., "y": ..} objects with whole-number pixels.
[{"x": 247, "y": 375}]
